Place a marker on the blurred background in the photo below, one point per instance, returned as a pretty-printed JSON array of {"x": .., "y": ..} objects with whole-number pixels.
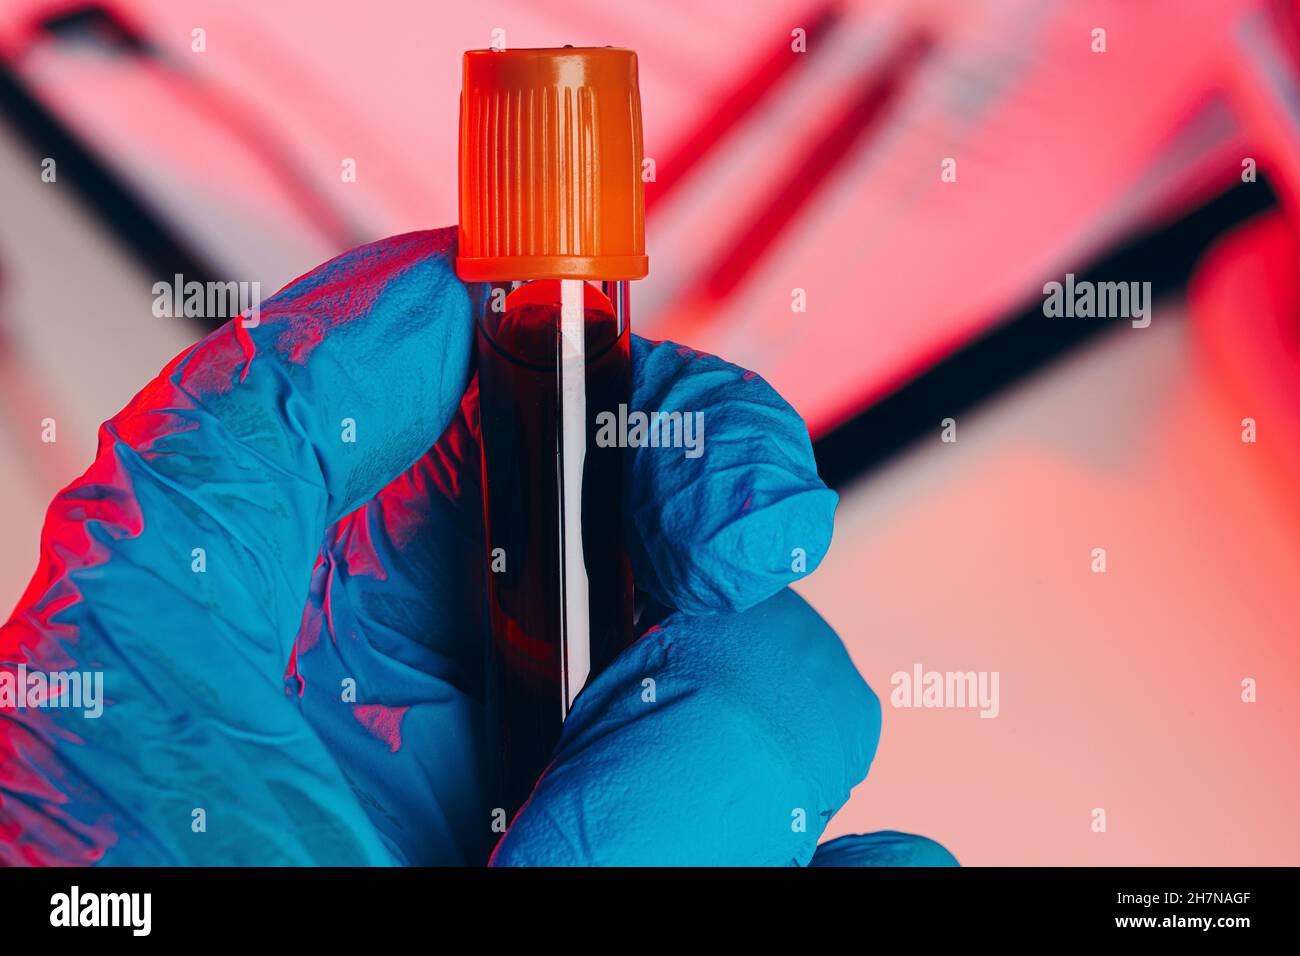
[{"x": 213, "y": 140}]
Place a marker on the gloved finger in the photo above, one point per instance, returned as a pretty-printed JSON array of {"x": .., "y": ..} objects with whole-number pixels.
[
  {"x": 884, "y": 848},
  {"x": 388, "y": 666},
  {"x": 722, "y": 740},
  {"x": 721, "y": 520},
  {"x": 177, "y": 567},
  {"x": 727, "y": 522},
  {"x": 396, "y": 597},
  {"x": 261, "y": 437}
]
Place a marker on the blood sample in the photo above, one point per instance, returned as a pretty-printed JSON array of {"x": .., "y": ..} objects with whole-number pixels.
[{"x": 552, "y": 219}]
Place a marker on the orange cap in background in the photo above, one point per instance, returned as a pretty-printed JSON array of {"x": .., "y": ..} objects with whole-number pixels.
[{"x": 550, "y": 166}]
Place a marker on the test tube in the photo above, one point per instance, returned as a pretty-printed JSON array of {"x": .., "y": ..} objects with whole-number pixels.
[{"x": 552, "y": 219}]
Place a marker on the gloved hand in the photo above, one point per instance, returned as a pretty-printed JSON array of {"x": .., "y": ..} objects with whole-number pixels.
[{"x": 274, "y": 700}]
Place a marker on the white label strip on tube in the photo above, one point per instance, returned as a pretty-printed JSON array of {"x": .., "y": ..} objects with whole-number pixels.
[{"x": 573, "y": 453}]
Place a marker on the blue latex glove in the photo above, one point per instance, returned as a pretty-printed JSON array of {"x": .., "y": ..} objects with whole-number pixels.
[{"x": 295, "y": 702}]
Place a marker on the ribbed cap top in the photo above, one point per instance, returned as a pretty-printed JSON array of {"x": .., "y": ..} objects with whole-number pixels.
[{"x": 550, "y": 166}]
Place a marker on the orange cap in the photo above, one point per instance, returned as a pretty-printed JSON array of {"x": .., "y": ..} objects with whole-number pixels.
[{"x": 550, "y": 166}]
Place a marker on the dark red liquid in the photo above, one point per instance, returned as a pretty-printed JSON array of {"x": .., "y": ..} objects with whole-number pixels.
[{"x": 519, "y": 387}]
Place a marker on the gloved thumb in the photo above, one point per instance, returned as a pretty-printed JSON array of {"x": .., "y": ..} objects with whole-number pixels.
[{"x": 884, "y": 848}]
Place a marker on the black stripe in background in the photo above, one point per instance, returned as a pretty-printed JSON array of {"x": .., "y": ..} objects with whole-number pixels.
[
  {"x": 1026, "y": 342},
  {"x": 161, "y": 250}
]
